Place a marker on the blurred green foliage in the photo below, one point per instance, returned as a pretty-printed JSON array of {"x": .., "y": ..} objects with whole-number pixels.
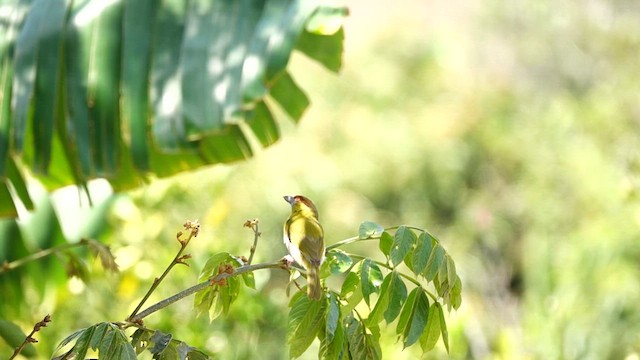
[{"x": 509, "y": 129}]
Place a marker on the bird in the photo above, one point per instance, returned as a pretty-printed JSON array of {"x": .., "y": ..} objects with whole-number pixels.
[{"x": 303, "y": 236}]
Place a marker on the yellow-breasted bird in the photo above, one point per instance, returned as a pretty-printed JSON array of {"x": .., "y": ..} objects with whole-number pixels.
[{"x": 304, "y": 238}]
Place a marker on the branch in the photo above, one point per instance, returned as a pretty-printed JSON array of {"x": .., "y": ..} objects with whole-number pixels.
[
  {"x": 194, "y": 228},
  {"x": 253, "y": 225},
  {"x": 203, "y": 285},
  {"x": 348, "y": 241},
  {"x": 354, "y": 239},
  {"x": 29, "y": 339},
  {"x": 8, "y": 266}
]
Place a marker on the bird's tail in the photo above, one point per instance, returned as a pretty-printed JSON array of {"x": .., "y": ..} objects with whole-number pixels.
[{"x": 314, "y": 289}]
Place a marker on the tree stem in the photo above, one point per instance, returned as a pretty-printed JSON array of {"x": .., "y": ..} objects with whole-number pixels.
[
  {"x": 203, "y": 285},
  {"x": 8, "y": 266},
  {"x": 193, "y": 228}
]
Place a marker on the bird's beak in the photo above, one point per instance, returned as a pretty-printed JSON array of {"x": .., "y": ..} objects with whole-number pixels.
[{"x": 288, "y": 199}]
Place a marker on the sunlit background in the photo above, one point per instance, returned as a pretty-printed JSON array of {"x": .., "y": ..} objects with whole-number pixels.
[{"x": 509, "y": 129}]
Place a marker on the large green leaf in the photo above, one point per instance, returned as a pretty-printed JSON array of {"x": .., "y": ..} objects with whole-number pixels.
[
  {"x": 370, "y": 278},
  {"x": 393, "y": 293},
  {"x": 413, "y": 317},
  {"x": 127, "y": 88},
  {"x": 403, "y": 241},
  {"x": 363, "y": 342},
  {"x": 108, "y": 339},
  {"x": 420, "y": 256},
  {"x": 305, "y": 321}
]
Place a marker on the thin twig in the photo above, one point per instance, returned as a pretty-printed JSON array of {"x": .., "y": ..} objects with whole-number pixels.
[
  {"x": 357, "y": 238},
  {"x": 8, "y": 266},
  {"x": 193, "y": 227},
  {"x": 203, "y": 285},
  {"x": 253, "y": 224},
  {"x": 348, "y": 241},
  {"x": 29, "y": 339}
]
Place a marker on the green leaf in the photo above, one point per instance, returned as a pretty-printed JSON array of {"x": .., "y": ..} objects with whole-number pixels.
[
  {"x": 451, "y": 270},
  {"x": 350, "y": 284},
  {"x": 397, "y": 297},
  {"x": 217, "y": 298},
  {"x": 211, "y": 266},
  {"x": 363, "y": 344},
  {"x": 413, "y": 318},
  {"x": 98, "y": 335},
  {"x": 435, "y": 261},
  {"x": 249, "y": 280},
  {"x": 137, "y": 36},
  {"x": 431, "y": 333},
  {"x": 106, "y": 344},
  {"x": 48, "y": 81},
  {"x": 420, "y": 256},
  {"x": 370, "y": 278},
  {"x": 290, "y": 96},
  {"x": 406, "y": 312},
  {"x": 305, "y": 320},
  {"x": 7, "y": 209},
  {"x": 393, "y": 293},
  {"x": 284, "y": 37},
  {"x": 140, "y": 340},
  {"x": 351, "y": 291},
  {"x": 229, "y": 293},
  {"x": 19, "y": 184},
  {"x": 70, "y": 338},
  {"x": 375, "y": 316},
  {"x": 6, "y": 73},
  {"x": 82, "y": 344},
  {"x": 111, "y": 342},
  {"x": 456, "y": 294},
  {"x": 338, "y": 261},
  {"x": 332, "y": 316},
  {"x": 160, "y": 342},
  {"x": 204, "y": 301},
  {"x": 195, "y": 354},
  {"x": 408, "y": 262},
  {"x": 227, "y": 145},
  {"x": 263, "y": 124},
  {"x": 324, "y": 49},
  {"x": 25, "y": 59},
  {"x": 443, "y": 327},
  {"x": 442, "y": 271},
  {"x": 442, "y": 288},
  {"x": 336, "y": 348},
  {"x": 164, "y": 346},
  {"x": 385, "y": 243},
  {"x": 403, "y": 241},
  {"x": 369, "y": 229}
]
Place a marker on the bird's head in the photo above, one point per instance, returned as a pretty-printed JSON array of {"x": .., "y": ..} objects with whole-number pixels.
[{"x": 301, "y": 204}]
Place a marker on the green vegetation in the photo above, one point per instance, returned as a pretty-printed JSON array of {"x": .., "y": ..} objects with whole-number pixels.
[{"x": 508, "y": 129}]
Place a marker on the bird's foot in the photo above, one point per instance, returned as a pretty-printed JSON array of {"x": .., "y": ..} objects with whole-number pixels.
[{"x": 286, "y": 262}]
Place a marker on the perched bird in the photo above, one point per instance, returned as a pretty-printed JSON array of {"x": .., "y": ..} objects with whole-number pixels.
[{"x": 303, "y": 236}]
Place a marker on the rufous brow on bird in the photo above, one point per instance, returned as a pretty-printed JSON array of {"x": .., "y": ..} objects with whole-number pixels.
[{"x": 304, "y": 238}]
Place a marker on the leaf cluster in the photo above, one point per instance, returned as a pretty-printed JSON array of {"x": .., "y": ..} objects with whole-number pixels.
[
  {"x": 336, "y": 321},
  {"x": 111, "y": 342},
  {"x": 143, "y": 87},
  {"x": 217, "y": 298}
]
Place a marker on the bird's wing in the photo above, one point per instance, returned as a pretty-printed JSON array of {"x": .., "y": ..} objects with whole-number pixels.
[{"x": 313, "y": 243}]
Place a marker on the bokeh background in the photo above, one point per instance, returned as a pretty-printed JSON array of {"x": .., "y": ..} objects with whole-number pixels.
[{"x": 508, "y": 129}]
